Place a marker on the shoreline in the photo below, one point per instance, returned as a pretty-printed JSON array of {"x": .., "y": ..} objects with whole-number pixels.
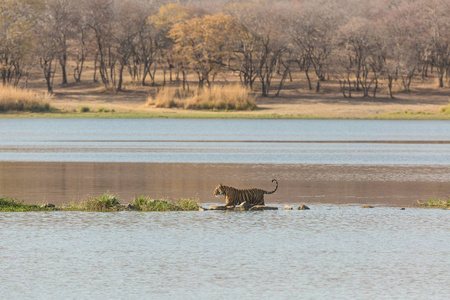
[{"x": 185, "y": 114}]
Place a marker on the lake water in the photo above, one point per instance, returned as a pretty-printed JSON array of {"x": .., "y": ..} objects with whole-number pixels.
[
  {"x": 227, "y": 141},
  {"x": 320, "y": 161},
  {"x": 329, "y": 252},
  {"x": 336, "y": 250}
]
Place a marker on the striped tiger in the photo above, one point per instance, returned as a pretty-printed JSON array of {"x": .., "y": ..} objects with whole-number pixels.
[{"x": 235, "y": 196}]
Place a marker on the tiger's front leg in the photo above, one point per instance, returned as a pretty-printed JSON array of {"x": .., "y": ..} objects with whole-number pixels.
[{"x": 228, "y": 202}]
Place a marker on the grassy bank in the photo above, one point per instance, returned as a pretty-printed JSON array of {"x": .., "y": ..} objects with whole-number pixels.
[
  {"x": 104, "y": 203},
  {"x": 182, "y": 114}
]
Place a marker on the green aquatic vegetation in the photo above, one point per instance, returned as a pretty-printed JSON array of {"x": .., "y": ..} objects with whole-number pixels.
[
  {"x": 143, "y": 203},
  {"x": 105, "y": 203},
  {"x": 9, "y": 204},
  {"x": 435, "y": 203}
]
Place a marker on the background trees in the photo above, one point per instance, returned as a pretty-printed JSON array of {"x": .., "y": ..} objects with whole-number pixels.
[
  {"x": 17, "y": 21},
  {"x": 363, "y": 45},
  {"x": 204, "y": 44}
]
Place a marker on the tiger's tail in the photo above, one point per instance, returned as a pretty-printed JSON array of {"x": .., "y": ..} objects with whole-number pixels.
[{"x": 275, "y": 187}]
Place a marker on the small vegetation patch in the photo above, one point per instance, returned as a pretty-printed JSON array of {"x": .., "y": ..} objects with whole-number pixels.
[
  {"x": 15, "y": 99},
  {"x": 435, "y": 203},
  {"x": 216, "y": 97},
  {"x": 106, "y": 202},
  {"x": 147, "y": 204},
  {"x": 104, "y": 110},
  {"x": 445, "y": 109},
  {"x": 84, "y": 109}
]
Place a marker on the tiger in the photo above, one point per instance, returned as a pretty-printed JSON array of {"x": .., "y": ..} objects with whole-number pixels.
[{"x": 235, "y": 196}]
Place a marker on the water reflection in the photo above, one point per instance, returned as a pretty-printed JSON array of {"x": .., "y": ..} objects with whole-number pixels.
[{"x": 63, "y": 182}]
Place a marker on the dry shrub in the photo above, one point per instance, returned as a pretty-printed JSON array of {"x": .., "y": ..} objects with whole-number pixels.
[
  {"x": 15, "y": 99},
  {"x": 217, "y": 97}
]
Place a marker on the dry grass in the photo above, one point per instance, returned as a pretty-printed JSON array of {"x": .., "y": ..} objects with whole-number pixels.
[
  {"x": 16, "y": 99},
  {"x": 445, "y": 109},
  {"x": 217, "y": 97}
]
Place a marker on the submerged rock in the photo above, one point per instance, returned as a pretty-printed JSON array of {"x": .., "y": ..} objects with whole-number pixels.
[
  {"x": 130, "y": 206},
  {"x": 263, "y": 207},
  {"x": 220, "y": 207},
  {"x": 242, "y": 207},
  {"x": 303, "y": 207},
  {"x": 245, "y": 206}
]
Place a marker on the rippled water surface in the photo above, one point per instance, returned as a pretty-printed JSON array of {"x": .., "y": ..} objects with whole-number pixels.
[
  {"x": 226, "y": 141},
  {"x": 329, "y": 252}
]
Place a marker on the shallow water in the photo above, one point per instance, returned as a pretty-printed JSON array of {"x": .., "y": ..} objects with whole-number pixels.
[{"x": 329, "y": 252}]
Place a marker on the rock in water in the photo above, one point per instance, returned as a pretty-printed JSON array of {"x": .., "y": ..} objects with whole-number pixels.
[
  {"x": 303, "y": 207},
  {"x": 287, "y": 207},
  {"x": 245, "y": 206},
  {"x": 130, "y": 207},
  {"x": 218, "y": 207},
  {"x": 263, "y": 207}
]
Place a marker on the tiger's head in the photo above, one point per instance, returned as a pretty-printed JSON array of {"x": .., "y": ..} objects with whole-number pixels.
[{"x": 219, "y": 190}]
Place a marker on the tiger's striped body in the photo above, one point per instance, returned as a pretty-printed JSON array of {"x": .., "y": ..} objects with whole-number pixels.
[{"x": 235, "y": 196}]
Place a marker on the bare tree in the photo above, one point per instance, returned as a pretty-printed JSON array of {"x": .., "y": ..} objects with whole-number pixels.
[
  {"x": 100, "y": 19},
  {"x": 438, "y": 23},
  {"x": 263, "y": 43},
  {"x": 312, "y": 28},
  {"x": 17, "y": 21}
]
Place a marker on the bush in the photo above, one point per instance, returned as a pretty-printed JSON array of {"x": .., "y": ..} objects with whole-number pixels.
[
  {"x": 84, "y": 109},
  {"x": 231, "y": 97},
  {"x": 15, "y": 99}
]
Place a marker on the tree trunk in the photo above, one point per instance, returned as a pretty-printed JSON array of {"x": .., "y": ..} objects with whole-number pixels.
[
  {"x": 119, "y": 84},
  {"x": 342, "y": 86},
  {"x": 283, "y": 78},
  {"x": 390, "y": 79},
  {"x": 63, "y": 62}
]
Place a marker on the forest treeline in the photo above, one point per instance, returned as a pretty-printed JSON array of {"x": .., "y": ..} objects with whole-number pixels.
[{"x": 357, "y": 43}]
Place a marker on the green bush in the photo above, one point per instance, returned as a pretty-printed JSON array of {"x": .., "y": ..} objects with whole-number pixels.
[{"x": 84, "y": 109}]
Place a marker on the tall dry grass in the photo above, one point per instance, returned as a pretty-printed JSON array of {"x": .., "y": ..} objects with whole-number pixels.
[
  {"x": 216, "y": 97},
  {"x": 16, "y": 99}
]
